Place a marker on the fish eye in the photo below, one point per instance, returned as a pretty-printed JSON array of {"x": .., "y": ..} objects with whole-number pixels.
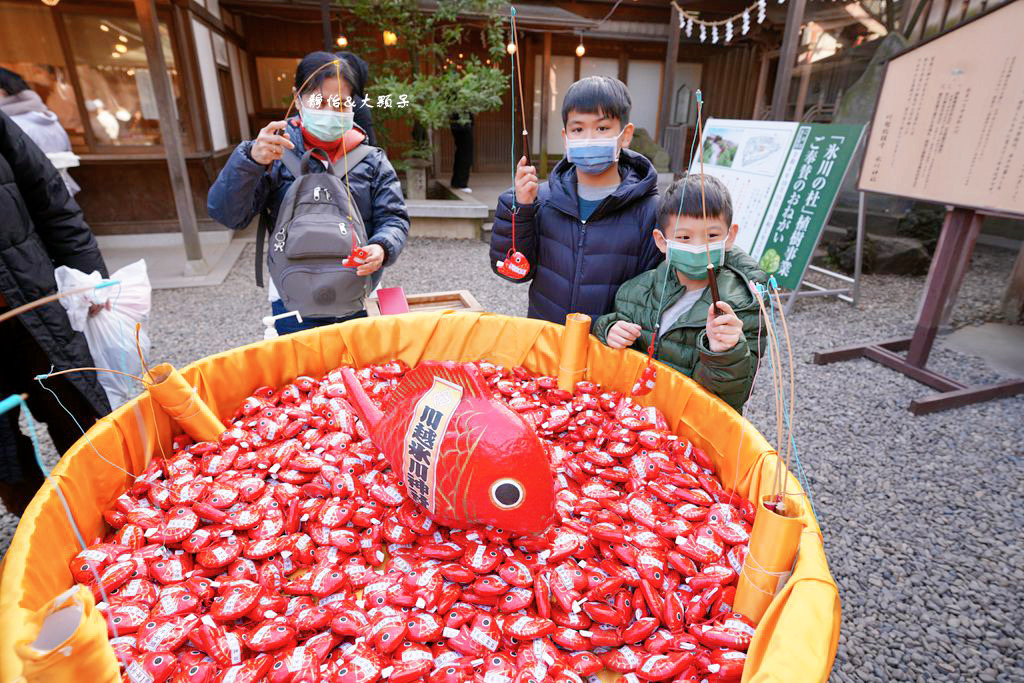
[{"x": 507, "y": 494}]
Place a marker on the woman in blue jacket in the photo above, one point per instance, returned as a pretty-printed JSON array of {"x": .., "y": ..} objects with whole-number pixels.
[{"x": 255, "y": 179}]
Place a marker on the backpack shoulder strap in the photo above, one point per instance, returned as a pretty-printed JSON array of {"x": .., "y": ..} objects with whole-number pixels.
[
  {"x": 261, "y": 234},
  {"x": 292, "y": 162},
  {"x": 354, "y": 158}
]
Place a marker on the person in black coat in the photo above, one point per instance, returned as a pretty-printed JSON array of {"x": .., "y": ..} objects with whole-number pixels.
[
  {"x": 462, "y": 134},
  {"x": 361, "y": 74},
  {"x": 41, "y": 228}
]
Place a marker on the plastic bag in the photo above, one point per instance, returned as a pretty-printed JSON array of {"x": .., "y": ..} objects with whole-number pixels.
[{"x": 111, "y": 331}]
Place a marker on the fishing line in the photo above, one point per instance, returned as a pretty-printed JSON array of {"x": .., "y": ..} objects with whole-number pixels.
[
  {"x": 40, "y": 378},
  {"x": 19, "y": 399},
  {"x": 712, "y": 278},
  {"x": 790, "y": 419},
  {"x": 515, "y": 163},
  {"x": 774, "y": 290},
  {"x": 776, "y": 379},
  {"x": 664, "y": 283},
  {"x": 750, "y": 392}
]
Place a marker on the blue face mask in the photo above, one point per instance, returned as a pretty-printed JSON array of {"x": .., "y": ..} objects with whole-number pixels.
[
  {"x": 326, "y": 124},
  {"x": 593, "y": 155}
]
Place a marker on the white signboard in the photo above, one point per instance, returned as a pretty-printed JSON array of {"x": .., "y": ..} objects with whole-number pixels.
[{"x": 748, "y": 156}]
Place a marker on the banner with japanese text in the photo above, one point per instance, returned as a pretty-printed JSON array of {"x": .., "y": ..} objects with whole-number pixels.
[{"x": 783, "y": 178}]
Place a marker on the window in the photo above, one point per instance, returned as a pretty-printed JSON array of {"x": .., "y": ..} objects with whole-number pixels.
[
  {"x": 116, "y": 83},
  {"x": 29, "y": 46},
  {"x": 276, "y": 76}
]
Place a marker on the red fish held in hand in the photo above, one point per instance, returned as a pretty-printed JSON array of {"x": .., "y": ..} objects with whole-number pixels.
[{"x": 465, "y": 457}]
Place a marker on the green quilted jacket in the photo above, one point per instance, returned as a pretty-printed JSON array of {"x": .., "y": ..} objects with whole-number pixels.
[{"x": 684, "y": 345}]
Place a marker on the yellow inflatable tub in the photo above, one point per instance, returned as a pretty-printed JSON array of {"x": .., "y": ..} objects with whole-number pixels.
[{"x": 795, "y": 641}]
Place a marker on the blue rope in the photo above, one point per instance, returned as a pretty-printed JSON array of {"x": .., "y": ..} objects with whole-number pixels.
[
  {"x": 801, "y": 475},
  {"x": 16, "y": 400}
]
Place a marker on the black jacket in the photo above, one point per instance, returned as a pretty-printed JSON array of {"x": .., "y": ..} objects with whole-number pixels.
[
  {"x": 41, "y": 227},
  {"x": 577, "y": 266}
]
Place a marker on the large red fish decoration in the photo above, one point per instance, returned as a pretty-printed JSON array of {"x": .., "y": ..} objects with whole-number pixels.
[{"x": 465, "y": 457}]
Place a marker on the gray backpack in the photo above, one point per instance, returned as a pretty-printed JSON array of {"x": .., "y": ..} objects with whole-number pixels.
[{"x": 313, "y": 235}]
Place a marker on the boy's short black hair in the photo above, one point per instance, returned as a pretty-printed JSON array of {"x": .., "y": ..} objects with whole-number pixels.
[
  {"x": 598, "y": 95},
  {"x": 717, "y": 202}
]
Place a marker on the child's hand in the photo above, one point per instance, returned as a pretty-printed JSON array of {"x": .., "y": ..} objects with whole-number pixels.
[
  {"x": 374, "y": 260},
  {"x": 725, "y": 330},
  {"x": 526, "y": 182},
  {"x": 623, "y": 334}
]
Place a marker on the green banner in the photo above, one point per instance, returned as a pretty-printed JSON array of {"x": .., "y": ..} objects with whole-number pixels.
[{"x": 803, "y": 198}]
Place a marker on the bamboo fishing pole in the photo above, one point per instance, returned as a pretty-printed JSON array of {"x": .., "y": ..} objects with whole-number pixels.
[{"x": 712, "y": 278}]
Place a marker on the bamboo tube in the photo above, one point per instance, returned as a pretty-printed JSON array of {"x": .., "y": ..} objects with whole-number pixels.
[
  {"x": 69, "y": 635},
  {"x": 773, "y": 546},
  {"x": 572, "y": 363},
  {"x": 179, "y": 400}
]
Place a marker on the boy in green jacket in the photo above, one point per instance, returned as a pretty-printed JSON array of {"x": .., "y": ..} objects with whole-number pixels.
[{"x": 673, "y": 301}]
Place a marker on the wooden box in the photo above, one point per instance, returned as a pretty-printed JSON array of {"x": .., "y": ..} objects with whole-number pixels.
[{"x": 457, "y": 300}]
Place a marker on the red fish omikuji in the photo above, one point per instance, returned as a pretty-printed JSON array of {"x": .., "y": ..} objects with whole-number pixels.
[
  {"x": 464, "y": 455},
  {"x": 294, "y": 550}
]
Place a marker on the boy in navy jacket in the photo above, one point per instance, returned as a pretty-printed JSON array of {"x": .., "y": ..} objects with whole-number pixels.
[{"x": 587, "y": 229}]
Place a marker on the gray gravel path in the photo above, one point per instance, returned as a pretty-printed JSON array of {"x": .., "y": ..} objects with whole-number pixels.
[{"x": 921, "y": 515}]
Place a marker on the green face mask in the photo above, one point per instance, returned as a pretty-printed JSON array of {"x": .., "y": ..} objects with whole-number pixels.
[{"x": 692, "y": 259}]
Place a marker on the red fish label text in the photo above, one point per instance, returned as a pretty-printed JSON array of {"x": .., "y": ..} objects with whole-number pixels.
[{"x": 423, "y": 439}]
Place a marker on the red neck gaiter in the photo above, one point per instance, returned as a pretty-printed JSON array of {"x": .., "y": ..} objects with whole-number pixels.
[{"x": 343, "y": 145}]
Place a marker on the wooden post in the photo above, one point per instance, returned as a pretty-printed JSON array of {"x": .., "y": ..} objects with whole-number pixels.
[
  {"x": 956, "y": 243},
  {"x": 787, "y": 54},
  {"x": 545, "y": 103},
  {"x": 325, "y": 21},
  {"x": 1013, "y": 300},
  {"x": 801, "y": 96},
  {"x": 668, "y": 78},
  {"x": 171, "y": 136},
  {"x": 762, "y": 85}
]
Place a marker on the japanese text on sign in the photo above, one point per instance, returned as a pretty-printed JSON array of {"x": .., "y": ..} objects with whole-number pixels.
[{"x": 423, "y": 439}]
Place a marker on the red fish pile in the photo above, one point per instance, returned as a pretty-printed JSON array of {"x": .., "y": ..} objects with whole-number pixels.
[{"x": 288, "y": 551}]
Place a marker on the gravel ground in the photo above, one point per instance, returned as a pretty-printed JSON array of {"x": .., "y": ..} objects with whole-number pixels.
[{"x": 920, "y": 515}]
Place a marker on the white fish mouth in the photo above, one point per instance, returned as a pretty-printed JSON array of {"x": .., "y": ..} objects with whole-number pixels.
[{"x": 507, "y": 493}]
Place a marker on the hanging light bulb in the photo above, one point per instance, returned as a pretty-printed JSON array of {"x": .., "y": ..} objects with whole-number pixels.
[
  {"x": 104, "y": 27},
  {"x": 121, "y": 48},
  {"x": 580, "y": 50},
  {"x": 510, "y": 48},
  {"x": 115, "y": 55},
  {"x": 390, "y": 38},
  {"x": 50, "y": 3},
  {"x": 342, "y": 41},
  {"x": 123, "y": 38}
]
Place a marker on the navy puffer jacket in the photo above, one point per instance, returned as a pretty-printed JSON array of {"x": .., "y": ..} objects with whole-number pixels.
[
  {"x": 244, "y": 188},
  {"x": 577, "y": 266}
]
